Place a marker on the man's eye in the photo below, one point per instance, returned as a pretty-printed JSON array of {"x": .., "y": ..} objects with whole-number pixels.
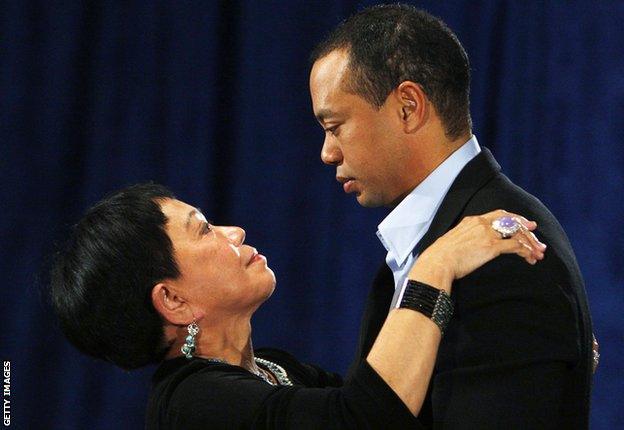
[
  {"x": 332, "y": 130},
  {"x": 206, "y": 228}
]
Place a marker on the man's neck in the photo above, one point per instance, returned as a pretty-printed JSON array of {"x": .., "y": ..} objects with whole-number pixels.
[{"x": 430, "y": 154}]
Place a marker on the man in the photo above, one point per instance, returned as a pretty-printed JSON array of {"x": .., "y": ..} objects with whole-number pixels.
[{"x": 390, "y": 87}]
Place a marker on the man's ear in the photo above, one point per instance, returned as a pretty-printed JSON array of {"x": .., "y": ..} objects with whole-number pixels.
[
  {"x": 170, "y": 305},
  {"x": 414, "y": 105}
]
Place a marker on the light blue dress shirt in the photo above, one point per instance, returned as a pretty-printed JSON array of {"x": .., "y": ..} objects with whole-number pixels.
[{"x": 408, "y": 222}]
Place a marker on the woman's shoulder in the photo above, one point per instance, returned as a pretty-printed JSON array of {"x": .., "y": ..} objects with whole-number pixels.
[
  {"x": 181, "y": 374},
  {"x": 305, "y": 374},
  {"x": 185, "y": 392}
]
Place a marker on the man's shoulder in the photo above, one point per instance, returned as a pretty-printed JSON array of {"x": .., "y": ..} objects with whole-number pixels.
[
  {"x": 501, "y": 193},
  {"x": 520, "y": 307},
  {"x": 560, "y": 264}
]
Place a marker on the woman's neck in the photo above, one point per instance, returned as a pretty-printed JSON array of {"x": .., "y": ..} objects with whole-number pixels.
[{"x": 230, "y": 341}]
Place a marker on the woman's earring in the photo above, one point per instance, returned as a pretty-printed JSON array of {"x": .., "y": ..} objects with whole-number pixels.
[{"x": 189, "y": 346}]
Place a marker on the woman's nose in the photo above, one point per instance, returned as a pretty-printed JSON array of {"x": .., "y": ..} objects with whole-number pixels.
[{"x": 236, "y": 235}]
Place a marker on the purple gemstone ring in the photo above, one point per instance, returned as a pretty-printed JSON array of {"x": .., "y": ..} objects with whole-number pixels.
[{"x": 507, "y": 226}]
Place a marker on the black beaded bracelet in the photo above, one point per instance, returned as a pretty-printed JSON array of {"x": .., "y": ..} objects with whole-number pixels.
[{"x": 433, "y": 303}]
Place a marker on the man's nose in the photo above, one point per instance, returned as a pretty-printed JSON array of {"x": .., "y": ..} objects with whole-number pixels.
[
  {"x": 330, "y": 153},
  {"x": 236, "y": 235}
]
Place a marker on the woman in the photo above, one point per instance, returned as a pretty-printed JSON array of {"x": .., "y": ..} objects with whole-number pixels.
[{"x": 145, "y": 278}]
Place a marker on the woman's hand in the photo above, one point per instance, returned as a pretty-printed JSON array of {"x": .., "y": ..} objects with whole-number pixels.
[
  {"x": 471, "y": 244},
  {"x": 406, "y": 347}
]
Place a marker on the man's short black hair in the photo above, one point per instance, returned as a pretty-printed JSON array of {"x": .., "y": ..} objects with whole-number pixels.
[
  {"x": 389, "y": 44},
  {"x": 101, "y": 282}
]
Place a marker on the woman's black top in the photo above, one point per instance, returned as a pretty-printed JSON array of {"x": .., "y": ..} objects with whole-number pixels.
[{"x": 200, "y": 394}]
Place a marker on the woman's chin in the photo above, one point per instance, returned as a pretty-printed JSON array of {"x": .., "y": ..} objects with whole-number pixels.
[{"x": 270, "y": 287}]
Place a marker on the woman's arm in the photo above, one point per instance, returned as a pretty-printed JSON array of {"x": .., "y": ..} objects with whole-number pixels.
[
  {"x": 405, "y": 350},
  {"x": 385, "y": 391}
]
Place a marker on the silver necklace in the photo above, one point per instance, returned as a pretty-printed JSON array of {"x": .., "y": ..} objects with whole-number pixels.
[
  {"x": 264, "y": 375},
  {"x": 277, "y": 371}
]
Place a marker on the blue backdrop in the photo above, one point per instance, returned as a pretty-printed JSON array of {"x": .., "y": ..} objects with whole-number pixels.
[{"x": 212, "y": 100}]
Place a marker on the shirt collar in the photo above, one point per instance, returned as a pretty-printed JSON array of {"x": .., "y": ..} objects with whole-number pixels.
[{"x": 401, "y": 230}]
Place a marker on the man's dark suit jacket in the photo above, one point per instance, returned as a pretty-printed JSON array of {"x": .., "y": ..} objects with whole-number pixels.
[{"x": 517, "y": 352}]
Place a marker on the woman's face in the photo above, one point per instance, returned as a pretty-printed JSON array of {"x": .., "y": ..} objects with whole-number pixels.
[{"x": 219, "y": 274}]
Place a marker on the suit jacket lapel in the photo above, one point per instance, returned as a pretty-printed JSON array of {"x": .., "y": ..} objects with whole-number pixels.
[{"x": 473, "y": 176}]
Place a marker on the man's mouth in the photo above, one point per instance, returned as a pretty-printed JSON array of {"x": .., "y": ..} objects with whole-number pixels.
[{"x": 348, "y": 184}]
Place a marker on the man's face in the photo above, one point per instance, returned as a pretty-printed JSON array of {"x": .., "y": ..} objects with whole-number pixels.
[{"x": 364, "y": 143}]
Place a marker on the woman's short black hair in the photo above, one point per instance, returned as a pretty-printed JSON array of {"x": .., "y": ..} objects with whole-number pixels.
[
  {"x": 390, "y": 44},
  {"x": 101, "y": 281}
]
